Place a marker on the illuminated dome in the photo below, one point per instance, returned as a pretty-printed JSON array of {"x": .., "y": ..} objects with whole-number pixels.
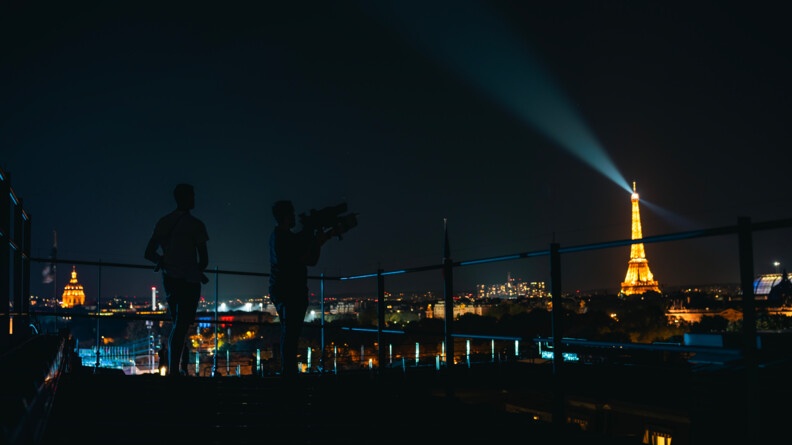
[
  {"x": 73, "y": 293},
  {"x": 776, "y": 288}
]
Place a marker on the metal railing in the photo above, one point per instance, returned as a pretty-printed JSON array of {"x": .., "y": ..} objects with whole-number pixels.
[{"x": 380, "y": 338}]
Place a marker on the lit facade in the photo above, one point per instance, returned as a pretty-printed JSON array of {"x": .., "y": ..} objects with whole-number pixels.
[
  {"x": 512, "y": 288},
  {"x": 73, "y": 293}
]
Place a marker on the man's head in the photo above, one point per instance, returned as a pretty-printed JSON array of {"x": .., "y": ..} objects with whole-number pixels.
[
  {"x": 283, "y": 210},
  {"x": 185, "y": 196}
]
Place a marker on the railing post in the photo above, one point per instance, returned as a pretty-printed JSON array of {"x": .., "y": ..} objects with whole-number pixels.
[
  {"x": 380, "y": 319},
  {"x": 26, "y": 269},
  {"x": 98, "y": 316},
  {"x": 216, "y": 317},
  {"x": 322, "y": 323},
  {"x": 449, "y": 311},
  {"x": 749, "y": 326},
  {"x": 559, "y": 415},
  {"x": 17, "y": 237},
  {"x": 448, "y": 289},
  {"x": 18, "y": 298},
  {"x": 5, "y": 264}
]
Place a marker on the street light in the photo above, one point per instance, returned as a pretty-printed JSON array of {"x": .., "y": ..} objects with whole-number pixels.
[{"x": 776, "y": 264}]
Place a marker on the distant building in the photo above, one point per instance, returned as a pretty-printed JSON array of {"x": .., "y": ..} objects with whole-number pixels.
[
  {"x": 781, "y": 293},
  {"x": 512, "y": 288},
  {"x": 773, "y": 287},
  {"x": 437, "y": 310},
  {"x": 73, "y": 293},
  {"x": 773, "y": 291}
]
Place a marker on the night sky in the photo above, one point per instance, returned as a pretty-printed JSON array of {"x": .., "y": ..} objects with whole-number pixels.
[{"x": 521, "y": 123}]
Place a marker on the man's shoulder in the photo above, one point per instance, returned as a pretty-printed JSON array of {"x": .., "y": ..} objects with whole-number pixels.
[
  {"x": 168, "y": 218},
  {"x": 196, "y": 223},
  {"x": 193, "y": 218}
]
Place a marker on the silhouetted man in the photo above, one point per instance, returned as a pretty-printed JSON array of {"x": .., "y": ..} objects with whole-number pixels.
[
  {"x": 181, "y": 238},
  {"x": 290, "y": 255}
]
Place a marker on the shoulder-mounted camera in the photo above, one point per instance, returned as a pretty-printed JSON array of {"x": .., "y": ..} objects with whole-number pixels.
[{"x": 330, "y": 218}]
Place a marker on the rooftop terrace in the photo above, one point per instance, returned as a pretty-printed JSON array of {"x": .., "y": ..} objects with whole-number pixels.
[{"x": 49, "y": 396}]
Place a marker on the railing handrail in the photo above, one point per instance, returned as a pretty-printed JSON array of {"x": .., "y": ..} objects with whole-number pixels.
[{"x": 676, "y": 236}]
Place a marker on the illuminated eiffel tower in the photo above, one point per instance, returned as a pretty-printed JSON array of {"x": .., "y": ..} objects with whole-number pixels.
[{"x": 639, "y": 278}]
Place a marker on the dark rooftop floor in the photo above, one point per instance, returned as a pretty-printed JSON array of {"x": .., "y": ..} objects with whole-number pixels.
[
  {"x": 110, "y": 407},
  {"x": 729, "y": 403}
]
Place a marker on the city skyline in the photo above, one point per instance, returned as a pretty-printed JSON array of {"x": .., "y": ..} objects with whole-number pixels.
[
  {"x": 73, "y": 294},
  {"x": 511, "y": 287},
  {"x": 637, "y": 266},
  {"x": 513, "y": 125}
]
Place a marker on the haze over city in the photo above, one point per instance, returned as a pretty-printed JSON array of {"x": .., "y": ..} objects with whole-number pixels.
[{"x": 520, "y": 124}]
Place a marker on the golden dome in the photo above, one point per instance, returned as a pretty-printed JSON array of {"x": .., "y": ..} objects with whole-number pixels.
[{"x": 73, "y": 294}]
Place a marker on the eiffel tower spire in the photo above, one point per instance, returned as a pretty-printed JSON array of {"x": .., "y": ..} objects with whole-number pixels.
[{"x": 639, "y": 278}]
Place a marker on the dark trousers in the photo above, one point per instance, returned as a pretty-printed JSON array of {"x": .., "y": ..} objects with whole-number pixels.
[
  {"x": 182, "y": 306},
  {"x": 292, "y": 316}
]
